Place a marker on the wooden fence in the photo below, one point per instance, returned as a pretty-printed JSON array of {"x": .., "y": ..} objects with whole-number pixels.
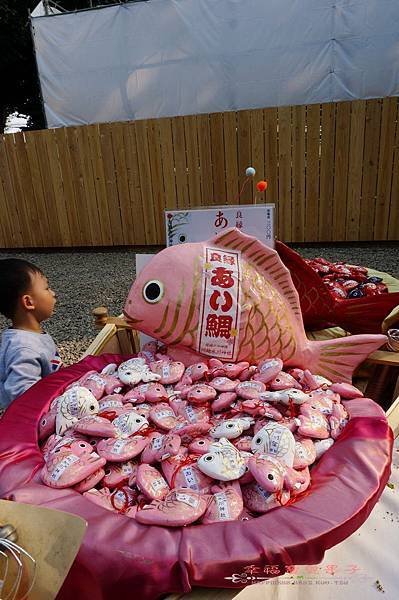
[{"x": 333, "y": 172}]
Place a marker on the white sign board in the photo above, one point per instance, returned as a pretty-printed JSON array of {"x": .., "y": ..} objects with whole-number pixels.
[{"x": 201, "y": 224}]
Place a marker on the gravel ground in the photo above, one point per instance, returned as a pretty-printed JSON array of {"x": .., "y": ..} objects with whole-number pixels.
[{"x": 84, "y": 280}]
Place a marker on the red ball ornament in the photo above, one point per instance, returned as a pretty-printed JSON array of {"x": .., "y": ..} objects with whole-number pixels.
[{"x": 261, "y": 186}]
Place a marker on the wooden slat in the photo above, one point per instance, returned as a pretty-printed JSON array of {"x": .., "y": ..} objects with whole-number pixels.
[
  {"x": 298, "y": 174},
  {"x": 116, "y": 223},
  {"x": 6, "y": 234},
  {"x": 44, "y": 216},
  {"x": 90, "y": 203},
  {"x": 370, "y": 169},
  {"x": 271, "y": 156},
  {"x": 11, "y": 217},
  {"x": 218, "y": 164},
  {"x": 327, "y": 172},
  {"x": 356, "y": 144},
  {"x": 393, "y": 225},
  {"x": 22, "y": 204},
  {"x": 312, "y": 172},
  {"x": 231, "y": 157},
  {"x": 123, "y": 209},
  {"x": 77, "y": 169},
  {"x": 284, "y": 174},
  {"x": 342, "y": 133},
  {"x": 204, "y": 144},
  {"x": 135, "y": 190},
  {"x": 60, "y": 206},
  {"x": 244, "y": 152},
  {"x": 94, "y": 139},
  {"x": 158, "y": 194},
  {"x": 68, "y": 176},
  {"x": 387, "y": 138},
  {"x": 193, "y": 161},
  {"x": 258, "y": 151},
  {"x": 179, "y": 146},
  {"x": 168, "y": 163},
  {"x": 143, "y": 160}
]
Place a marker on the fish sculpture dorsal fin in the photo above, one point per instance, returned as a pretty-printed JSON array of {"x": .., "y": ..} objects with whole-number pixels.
[{"x": 265, "y": 260}]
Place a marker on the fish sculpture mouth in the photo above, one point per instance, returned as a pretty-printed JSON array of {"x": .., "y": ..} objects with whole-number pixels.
[{"x": 130, "y": 320}]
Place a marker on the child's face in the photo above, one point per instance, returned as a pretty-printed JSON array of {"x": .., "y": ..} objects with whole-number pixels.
[{"x": 43, "y": 298}]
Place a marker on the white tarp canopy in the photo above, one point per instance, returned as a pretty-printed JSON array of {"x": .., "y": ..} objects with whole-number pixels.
[{"x": 176, "y": 57}]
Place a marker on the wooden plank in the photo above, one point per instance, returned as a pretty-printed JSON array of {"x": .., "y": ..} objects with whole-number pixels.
[
  {"x": 193, "y": 161},
  {"x": 12, "y": 221},
  {"x": 393, "y": 225},
  {"x": 94, "y": 140},
  {"x": 179, "y": 149},
  {"x": 218, "y": 163},
  {"x": 387, "y": 138},
  {"x": 271, "y": 155},
  {"x": 327, "y": 171},
  {"x": 298, "y": 174},
  {"x": 111, "y": 187},
  {"x": 204, "y": 144},
  {"x": 233, "y": 177},
  {"x": 133, "y": 175},
  {"x": 79, "y": 186},
  {"x": 68, "y": 177},
  {"x": 168, "y": 163},
  {"x": 90, "y": 204},
  {"x": 22, "y": 204},
  {"x": 60, "y": 205},
  {"x": 158, "y": 193},
  {"x": 312, "y": 173},
  {"x": 123, "y": 208},
  {"x": 258, "y": 152},
  {"x": 6, "y": 235},
  {"x": 145, "y": 181},
  {"x": 342, "y": 132},
  {"x": 284, "y": 173},
  {"x": 44, "y": 216},
  {"x": 356, "y": 145},
  {"x": 370, "y": 168},
  {"x": 244, "y": 152}
]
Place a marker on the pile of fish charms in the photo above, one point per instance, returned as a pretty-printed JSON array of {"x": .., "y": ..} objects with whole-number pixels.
[{"x": 171, "y": 446}]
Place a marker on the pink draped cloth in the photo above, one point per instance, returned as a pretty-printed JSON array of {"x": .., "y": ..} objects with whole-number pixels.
[{"x": 120, "y": 556}]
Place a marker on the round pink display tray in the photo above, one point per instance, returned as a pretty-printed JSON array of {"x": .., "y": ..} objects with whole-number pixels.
[{"x": 120, "y": 557}]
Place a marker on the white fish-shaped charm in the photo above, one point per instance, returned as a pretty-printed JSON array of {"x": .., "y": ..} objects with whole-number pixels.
[
  {"x": 134, "y": 370},
  {"x": 223, "y": 461},
  {"x": 231, "y": 429},
  {"x": 277, "y": 440},
  {"x": 75, "y": 403}
]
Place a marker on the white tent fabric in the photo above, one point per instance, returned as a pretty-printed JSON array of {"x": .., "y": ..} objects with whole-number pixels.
[{"x": 176, "y": 57}]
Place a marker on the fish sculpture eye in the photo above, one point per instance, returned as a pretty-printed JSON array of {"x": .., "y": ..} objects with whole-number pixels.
[
  {"x": 209, "y": 458},
  {"x": 153, "y": 291},
  {"x": 258, "y": 440}
]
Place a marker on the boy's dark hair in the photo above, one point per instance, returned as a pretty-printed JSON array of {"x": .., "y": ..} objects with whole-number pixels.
[{"x": 15, "y": 281}]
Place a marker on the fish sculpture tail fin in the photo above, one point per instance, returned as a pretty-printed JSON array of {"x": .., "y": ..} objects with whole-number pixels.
[
  {"x": 365, "y": 315},
  {"x": 337, "y": 359}
]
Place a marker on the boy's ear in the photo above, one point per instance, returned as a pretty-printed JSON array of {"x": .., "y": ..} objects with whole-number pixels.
[{"x": 27, "y": 302}]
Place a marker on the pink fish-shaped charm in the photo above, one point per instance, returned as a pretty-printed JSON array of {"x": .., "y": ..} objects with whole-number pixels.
[
  {"x": 346, "y": 391},
  {"x": 169, "y": 371},
  {"x": 200, "y": 445},
  {"x": 147, "y": 392},
  {"x": 90, "y": 482},
  {"x": 283, "y": 381},
  {"x": 129, "y": 423},
  {"x": 196, "y": 372},
  {"x": 224, "y": 384},
  {"x": 188, "y": 412},
  {"x": 323, "y": 404},
  {"x": 201, "y": 393},
  {"x": 168, "y": 304},
  {"x": 118, "y": 473},
  {"x": 67, "y": 466},
  {"x": 305, "y": 453},
  {"x": 134, "y": 370},
  {"x": 47, "y": 425},
  {"x": 94, "y": 382},
  {"x": 258, "y": 500},
  {"x": 95, "y": 426},
  {"x": 314, "y": 425},
  {"x": 301, "y": 486},
  {"x": 121, "y": 450},
  {"x": 338, "y": 420},
  {"x": 250, "y": 390},
  {"x": 231, "y": 428},
  {"x": 321, "y": 446},
  {"x": 160, "y": 447},
  {"x": 277, "y": 440},
  {"x": 230, "y": 370},
  {"x": 268, "y": 369},
  {"x": 243, "y": 443},
  {"x": 119, "y": 501},
  {"x": 264, "y": 409},
  {"x": 223, "y": 461},
  {"x": 180, "y": 507},
  {"x": 226, "y": 504},
  {"x": 151, "y": 483},
  {"x": 163, "y": 416},
  {"x": 224, "y": 401},
  {"x": 273, "y": 475},
  {"x": 112, "y": 402}
]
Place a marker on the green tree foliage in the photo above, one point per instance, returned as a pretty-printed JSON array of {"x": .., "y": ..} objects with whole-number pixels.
[{"x": 19, "y": 88}]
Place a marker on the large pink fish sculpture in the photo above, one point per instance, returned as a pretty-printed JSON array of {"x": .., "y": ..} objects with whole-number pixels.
[{"x": 232, "y": 298}]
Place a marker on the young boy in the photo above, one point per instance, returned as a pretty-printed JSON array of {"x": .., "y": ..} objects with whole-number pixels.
[{"x": 26, "y": 353}]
